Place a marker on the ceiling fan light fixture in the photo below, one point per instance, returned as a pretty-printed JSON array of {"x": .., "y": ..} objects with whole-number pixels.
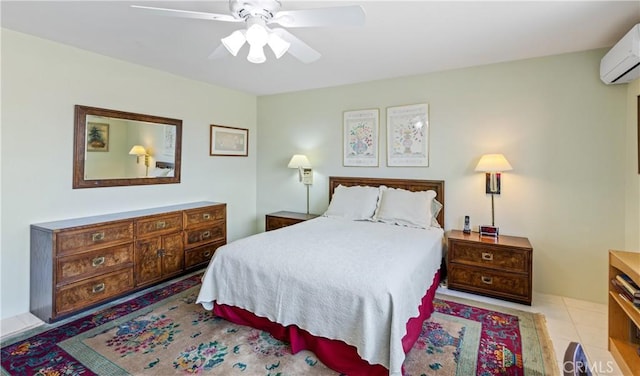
[
  {"x": 256, "y": 54},
  {"x": 278, "y": 45},
  {"x": 257, "y": 33},
  {"x": 234, "y": 42}
]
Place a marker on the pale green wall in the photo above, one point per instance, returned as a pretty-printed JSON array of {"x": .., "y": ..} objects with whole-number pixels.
[
  {"x": 41, "y": 83},
  {"x": 561, "y": 128},
  {"x": 632, "y": 239}
]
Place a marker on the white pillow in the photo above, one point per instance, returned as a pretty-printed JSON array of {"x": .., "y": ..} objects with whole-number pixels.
[
  {"x": 436, "y": 206},
  {"x": 356, "y": 203},
  {"x": 405, "y": 208},
  {"x": 159, "y": 172}
]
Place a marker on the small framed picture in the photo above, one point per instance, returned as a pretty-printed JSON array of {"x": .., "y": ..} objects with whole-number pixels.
[
  {"x": 360, "y": 138},
  {"x": 229, "y": 141},
  {"x": 97, "y": 137},
  {"x": 408, "y": 136}
]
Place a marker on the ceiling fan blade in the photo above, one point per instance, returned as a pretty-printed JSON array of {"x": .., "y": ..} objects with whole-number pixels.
[
  {"x": 298, "y": 49},
  {"x": 219, "y": 53},
  {"x": 352, "y": 15},
  {"x": 188, "y": 14}
]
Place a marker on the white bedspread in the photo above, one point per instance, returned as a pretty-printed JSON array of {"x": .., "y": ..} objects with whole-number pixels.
[{"x": 358, "y": 282}]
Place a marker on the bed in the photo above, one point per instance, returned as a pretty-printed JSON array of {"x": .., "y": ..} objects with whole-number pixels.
[{"x": 353, "y": 285}]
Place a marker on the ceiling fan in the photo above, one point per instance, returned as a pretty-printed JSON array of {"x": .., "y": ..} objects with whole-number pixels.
[{"x": 258, "y": 14}]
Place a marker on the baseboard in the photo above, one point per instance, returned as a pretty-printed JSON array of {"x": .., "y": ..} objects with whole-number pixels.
[{"x": 17, "y": 324}]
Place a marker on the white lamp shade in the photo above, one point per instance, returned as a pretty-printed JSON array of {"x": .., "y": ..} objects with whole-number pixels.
[
  {"x": 234, "y": 42},
  {"x": 278, "y": 45},
  {"x": 493, "y": 163},
  {"x": 256, "y": 54},
  {"x": 257, "y": 35},
  {"x": 299, "y": 160},
  {"x": 137, "y": 150}
]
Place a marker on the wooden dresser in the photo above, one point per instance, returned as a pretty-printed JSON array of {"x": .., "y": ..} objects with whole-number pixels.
[
  {"x": 79, "y": 263},
  {"x": 500, "y": 268}
]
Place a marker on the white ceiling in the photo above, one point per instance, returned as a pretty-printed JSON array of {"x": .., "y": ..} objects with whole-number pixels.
[{"x": 400, "y": 38}]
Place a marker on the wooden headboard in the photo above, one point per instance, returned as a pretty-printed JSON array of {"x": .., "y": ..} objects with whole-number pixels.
[
  {"x": 160, "y": 164},
  {"x": 408, "y": 184}
]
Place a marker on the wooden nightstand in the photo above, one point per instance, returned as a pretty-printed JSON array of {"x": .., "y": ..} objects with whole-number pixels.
[
  {"x": 497, "y": 267},
  {"x": 286, "y": 218}
]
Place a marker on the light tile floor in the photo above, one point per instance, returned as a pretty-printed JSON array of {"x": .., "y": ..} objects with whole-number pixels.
[{"x": 568, "y": 320}]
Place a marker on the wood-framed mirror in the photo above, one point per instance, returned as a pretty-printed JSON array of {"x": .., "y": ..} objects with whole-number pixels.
[{"x": 117, "y": 148}]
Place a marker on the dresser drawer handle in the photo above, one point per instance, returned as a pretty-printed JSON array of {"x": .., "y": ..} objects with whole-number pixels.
[
  {"x": 97, "y": 236},
  {"x": 98, "y": 288},
  {"x": 160, "y": 225},
  {"x": 487, "y": 256},
  {"x": 486, "y": 280},
  {"x": 206, "y": 216},
  {"x": 207, "y": 254},
  {"x": 97, "y": 261},
  {"x": 206, "y": 234}
]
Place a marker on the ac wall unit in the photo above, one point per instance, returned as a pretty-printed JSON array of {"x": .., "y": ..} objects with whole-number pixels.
[{"x": 622, "y": 63}]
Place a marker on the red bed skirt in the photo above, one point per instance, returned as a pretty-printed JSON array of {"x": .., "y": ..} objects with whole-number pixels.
[{"x": 335, "y": 354}]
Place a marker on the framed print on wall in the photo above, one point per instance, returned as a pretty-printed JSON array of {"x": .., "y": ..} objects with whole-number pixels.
[
  {"x": 229, "y": 141},
  {"x": 97, "y": 137},
  {"x": 408, "y": 135},
  {"x": 360, "y": 138}
]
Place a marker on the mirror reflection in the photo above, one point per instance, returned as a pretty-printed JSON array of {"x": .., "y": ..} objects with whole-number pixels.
[{"x": 119, "y": 148}]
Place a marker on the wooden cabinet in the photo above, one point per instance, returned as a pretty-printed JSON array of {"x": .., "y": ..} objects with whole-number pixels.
[
  {"x": 497, "y": 267},
  {"x": 281, "y": 219},
  {"x": 623, "y": 314},
  {"x": 79, "y": 263}
]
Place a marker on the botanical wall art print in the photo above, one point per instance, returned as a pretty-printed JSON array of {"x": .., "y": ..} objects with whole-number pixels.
[
  {"x": 408, "y": 135},
  {"x": 97, "y": 137},
  {"x": 360, "y": 138},
  {"x": 169, "y": 141},
  {"x": 229, "y": 141}
]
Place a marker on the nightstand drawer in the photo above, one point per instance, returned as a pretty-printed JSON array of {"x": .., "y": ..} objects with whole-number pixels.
[
  {"x": 492, "y": 282},
  {"x": 475, "y": 254},
  {"x": 282, "y": 219},
  {"x": 276, "y": 222}
]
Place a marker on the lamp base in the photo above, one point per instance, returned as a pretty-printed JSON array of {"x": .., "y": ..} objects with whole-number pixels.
[{"x": 490, "y": 231}]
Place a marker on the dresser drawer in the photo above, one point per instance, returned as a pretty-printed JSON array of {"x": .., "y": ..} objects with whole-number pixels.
[
  {"x": 489, "y": 282},
  {"x": 208, "y": 215},
  {"x": 158, "y": 225},
  {"x": 85, "y": 293},
  {"x": 73, "y": 268},
  {"x": 487, "y": 256},
  {"x": 94, "y": 237},
  {"x": 204, "y": 235},
  {"x": 200, "y": 255}
]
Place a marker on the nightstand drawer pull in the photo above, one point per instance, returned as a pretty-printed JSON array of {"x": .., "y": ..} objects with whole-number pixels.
[
  {"x": 160, "y": 225},
  {"x": 486, "y": 280},
  {"x": 487, "y": 256},
  {"x": 206, "y": 234},
  {"x": 97, "y": 261},
  {"x": 206, "y": 216},
  {"x": 98, "y": 288},
  {"x": 97, "y": 236},
  {"x": 207, "y": 254}
]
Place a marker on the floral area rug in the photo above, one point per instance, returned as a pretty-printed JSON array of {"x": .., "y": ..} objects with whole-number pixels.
[{"x": 164, "y": 332}]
